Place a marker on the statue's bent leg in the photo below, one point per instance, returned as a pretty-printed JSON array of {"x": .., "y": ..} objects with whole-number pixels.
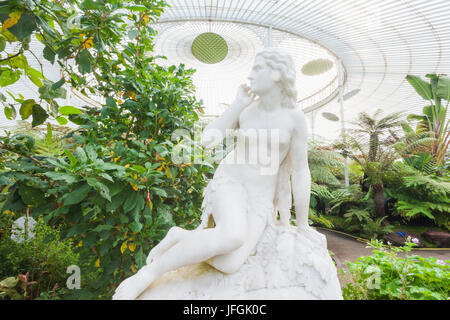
[
  {"x": 232, "y": 261},
  {"x": 198, "y": 245}
]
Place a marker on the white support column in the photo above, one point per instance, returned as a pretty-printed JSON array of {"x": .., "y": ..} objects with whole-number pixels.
[
  {"x": 269, "y": 37},
  {"x": 341, "y": 99},
  {"x": 313, "y": 124}
]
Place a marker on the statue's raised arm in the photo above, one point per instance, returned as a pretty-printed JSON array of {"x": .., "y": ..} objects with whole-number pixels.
[{"x": 216, "y": 129}]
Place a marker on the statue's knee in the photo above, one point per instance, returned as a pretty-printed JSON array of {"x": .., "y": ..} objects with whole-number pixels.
[{"x": 175, "y": 232}]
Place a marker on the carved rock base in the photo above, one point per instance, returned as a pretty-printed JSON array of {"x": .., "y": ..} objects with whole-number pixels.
[{"x": 285, "y": 265}]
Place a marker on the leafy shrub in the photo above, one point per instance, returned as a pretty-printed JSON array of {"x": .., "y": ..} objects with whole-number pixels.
[
  {"x": 419, "y": 194},
  {"x": 357, "y": 215},
  {"x": 114, "y": 189},
  {"x": 39, "y": 263},
  {"x": 375, "y": 228},
  {"x": 386, "y": 276}
]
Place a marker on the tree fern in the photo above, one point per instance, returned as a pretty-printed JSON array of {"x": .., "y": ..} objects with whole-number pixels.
[{"x": 323, "y": 161}]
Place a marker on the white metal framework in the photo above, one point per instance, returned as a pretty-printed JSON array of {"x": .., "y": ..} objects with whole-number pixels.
[{"x": 378, "y": 41}]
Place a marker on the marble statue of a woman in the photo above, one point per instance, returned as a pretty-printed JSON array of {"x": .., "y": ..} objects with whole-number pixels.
[{"x": 241, "y": 248}]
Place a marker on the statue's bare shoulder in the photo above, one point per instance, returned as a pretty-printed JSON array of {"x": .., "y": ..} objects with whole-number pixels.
[{"x": 299, "y": 122}]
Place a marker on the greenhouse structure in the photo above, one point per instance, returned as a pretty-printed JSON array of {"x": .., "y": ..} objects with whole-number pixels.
[{"x": 224, "y": 149}]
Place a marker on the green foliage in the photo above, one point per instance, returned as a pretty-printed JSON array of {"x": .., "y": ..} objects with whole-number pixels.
[
  {"x": 357, "y": 214},
  {"x": 433, "y": 117},
  {"x": 419, "y": 194},
  {"x": 376, "y": 228},
  {"x": 114, "y": 188},
  {"x": 325, "y": 164},
  {"x": 83, "y": 37},
  {"x": 353, "y": 197},
  {"x": 41, "y": 262},
  {"x": 319, "y": 219},
  {"x": 386, "y": 276}
]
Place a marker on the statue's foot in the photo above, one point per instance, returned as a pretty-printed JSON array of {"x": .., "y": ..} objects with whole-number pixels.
[{"x": 132, "y": 287}]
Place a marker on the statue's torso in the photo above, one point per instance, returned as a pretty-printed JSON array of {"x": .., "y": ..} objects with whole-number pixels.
[{"x": 263, "y": 141}]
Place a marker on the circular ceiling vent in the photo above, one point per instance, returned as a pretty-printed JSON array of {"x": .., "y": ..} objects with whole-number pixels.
[
  {"x": 316, "y": 67},
  {"x": 330, "y": 116},
  {"x": 209, "y": 48}
]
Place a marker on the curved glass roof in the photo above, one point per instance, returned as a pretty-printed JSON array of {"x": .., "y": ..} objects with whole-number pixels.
[
  {"x": 216, "y": 83},
  {"x": 379, "y": 42}
]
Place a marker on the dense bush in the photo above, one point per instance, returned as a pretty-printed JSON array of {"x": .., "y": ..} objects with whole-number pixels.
[
  {"x": 40, "y": 262},
  {"x": 387, "y": 276},
  {"x": 115, "y": 190},
  {"x": 419, "y": 194}
]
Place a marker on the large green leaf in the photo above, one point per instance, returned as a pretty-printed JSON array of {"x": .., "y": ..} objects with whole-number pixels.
[
  {"x": 81, "y": 155},
  {"x": 49, "y": 55},
  {"x": 26, "y": 109},
  {"x": 443, "y": 88},
  {"x": 139, "y": 258},
  {"x": 68, "y": 110},
  {"x": 62, "y": 121},
  {"x": 31, "y": 196},
  {"x": 131, "y": 201},
  {"x": 91, "y": 153},
  {"x": 68, "y": 178},
  {"x": 49, "y": 135},
  {"x": 100, "y": 187},
  {"x": 102, "y": 227},
  {"x": 84, "y": 61},
  {"x": 39, "y": 115},
  {"x": 422, "y": 87},
  {"x": 18, "y": 62},
  {"x": 8, "y": 76},
  {"x": 58, "y": 84},
  {"x": 2, "y": 43},
  {"x": 116, "y": 202},
  {"x": 135, "y": 226},
  {"x": 10, "y": 112},
  {"x": 77, "y": 195},
  {"x": 35, "y": 76},
  {"x": 72, "y": 159}
]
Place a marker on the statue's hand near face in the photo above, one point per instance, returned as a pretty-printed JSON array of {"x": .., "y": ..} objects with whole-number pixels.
[{"x": 244, "y": 96}]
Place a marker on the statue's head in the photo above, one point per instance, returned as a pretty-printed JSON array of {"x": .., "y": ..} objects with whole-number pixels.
[{"x": 283, "y": 73}]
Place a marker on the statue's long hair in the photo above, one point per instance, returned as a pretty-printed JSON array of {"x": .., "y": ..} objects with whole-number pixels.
[{"x": 282, "y": 62}]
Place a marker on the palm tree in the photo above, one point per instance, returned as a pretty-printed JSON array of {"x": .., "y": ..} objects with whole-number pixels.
[{"x": 372, "y": 145}]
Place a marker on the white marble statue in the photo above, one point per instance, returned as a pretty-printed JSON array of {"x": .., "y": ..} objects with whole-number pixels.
[{"x": 241, "y": 249}]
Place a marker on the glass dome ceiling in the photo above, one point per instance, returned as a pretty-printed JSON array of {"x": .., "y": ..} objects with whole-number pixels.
[
  {"x": 379, "y": 43},
  {"x": 222, "y": 65}
]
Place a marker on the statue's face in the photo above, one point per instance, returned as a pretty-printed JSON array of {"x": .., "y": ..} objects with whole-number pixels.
[{"x": 261, "y": 77}]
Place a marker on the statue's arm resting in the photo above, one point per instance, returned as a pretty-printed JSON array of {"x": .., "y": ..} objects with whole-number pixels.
[
  {"x": 301, "y": 176},
  {"x": 215, "y": 131}
]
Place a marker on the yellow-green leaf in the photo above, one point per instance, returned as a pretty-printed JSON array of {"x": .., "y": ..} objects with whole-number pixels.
[{"x": 123, "y": 247}]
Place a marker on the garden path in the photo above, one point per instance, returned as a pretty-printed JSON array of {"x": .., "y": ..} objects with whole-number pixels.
[{"x": 346, "y": 248}]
